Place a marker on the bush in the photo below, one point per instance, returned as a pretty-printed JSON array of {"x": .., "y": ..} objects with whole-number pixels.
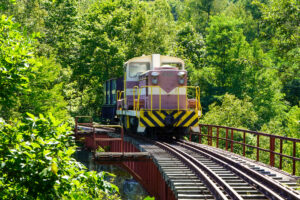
[
  {"x": 232, "y": 112},
  {"x": 36, "y": 163}
]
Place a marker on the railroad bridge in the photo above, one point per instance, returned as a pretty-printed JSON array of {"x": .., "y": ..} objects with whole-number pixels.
[{"x": 213, "y": 163}]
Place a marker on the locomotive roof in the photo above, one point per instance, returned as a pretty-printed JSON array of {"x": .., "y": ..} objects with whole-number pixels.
[{"x": 147, "y": 58}]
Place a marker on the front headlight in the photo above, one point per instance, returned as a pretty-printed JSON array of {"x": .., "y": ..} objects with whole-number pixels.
[
  {"x": 154, "y": 81},
  {"x": 181, "y": 81},
  {"x": 154, "y": 77},
  {"x": 181, "y": 77}
]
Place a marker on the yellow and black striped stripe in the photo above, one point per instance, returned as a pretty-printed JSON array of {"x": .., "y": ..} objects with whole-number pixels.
[{"x": 155, "y": 118}]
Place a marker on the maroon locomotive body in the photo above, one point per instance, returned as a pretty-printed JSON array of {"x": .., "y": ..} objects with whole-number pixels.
[{"x": 156, "y": 95}]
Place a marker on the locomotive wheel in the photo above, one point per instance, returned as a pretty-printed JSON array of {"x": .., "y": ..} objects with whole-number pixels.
[
  {"x": 172, "y": 132},
  {"x": 134, "y": 122},
  {"x": 151, "y": 133},
  {"x": 123, "y": 122},
  {"x": 179, "y": 132}
]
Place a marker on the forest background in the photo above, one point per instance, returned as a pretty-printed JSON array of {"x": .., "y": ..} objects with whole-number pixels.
[{"x": 244, "y": 54}]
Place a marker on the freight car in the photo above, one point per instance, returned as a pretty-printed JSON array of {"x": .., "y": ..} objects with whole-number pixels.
[{"x": 153, "y": 97}]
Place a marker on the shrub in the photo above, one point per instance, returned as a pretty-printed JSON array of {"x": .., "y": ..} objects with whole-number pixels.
[{"x": 36, "y": 163}]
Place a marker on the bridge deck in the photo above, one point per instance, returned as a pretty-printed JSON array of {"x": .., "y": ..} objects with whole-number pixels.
[
  {"x": 186, "y": 185},
  {"x": 183, "y": 181}
]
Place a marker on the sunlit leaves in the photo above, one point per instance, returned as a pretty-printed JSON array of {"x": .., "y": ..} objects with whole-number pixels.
[
  {"x": 37, "y": 163},
  {"x": 232, "y": 112},
  {"x": 16, "y": 64}
]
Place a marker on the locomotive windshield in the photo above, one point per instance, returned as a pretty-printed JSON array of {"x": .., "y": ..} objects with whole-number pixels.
[
  {"x": 177, "y": 65},
  {"x": 136, "y": 68}
]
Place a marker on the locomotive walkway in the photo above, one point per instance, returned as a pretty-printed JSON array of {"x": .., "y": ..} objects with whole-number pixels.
[{"x": 197, "y": 171}]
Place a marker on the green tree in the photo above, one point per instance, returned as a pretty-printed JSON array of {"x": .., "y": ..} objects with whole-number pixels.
[
  {"x": 225, "y": 61},
  {"x": 281, "y": 30},
  {"x": 28, "y": 83},
  {"x": 16, "y": 63},
  {"x": 226, "y": 51},
  {"x": 232, "y": 112},
  {"x": 190, "y": 45},
  {"x": 46, "y": 95},
  {"x": 200, "y": 12},
  {"x": 113, "y": 32},
  {"x": 36, "y": 162},
  {"x": 6, "y": 4},
  {"x": 287, "y": 124},
  {"x": 61, "y": 30}
]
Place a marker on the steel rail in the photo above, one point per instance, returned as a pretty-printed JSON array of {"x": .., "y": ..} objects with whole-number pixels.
[
  {"x": 267, "y": 186},
  {"x": 197, "y": 167},
  {"x": 269, "y": 193}
]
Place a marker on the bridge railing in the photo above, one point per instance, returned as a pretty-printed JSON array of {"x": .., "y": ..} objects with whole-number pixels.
[
  {"x": 213, "y": 132},
  {"x": 92, "y": 129},
  {"x": 88, "y": 123}
]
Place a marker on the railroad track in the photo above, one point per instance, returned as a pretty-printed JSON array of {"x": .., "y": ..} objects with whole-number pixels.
[
  {"x": 231, "y": 180},
  {"x": 223, "y": 178},
  {"x": 195, "y": 171}
]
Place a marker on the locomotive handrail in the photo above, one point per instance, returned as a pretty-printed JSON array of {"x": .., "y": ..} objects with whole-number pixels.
[
  {"x": 138, "y": 90},
  {"x": 231, "y": 141},
  {"x": 136, "y": 106},
  {"x": 134, "y": 96},
  {"x": 197, "y": 89},
  {"x": 151, "y": 94},
  {"x": 119, "y": 94}
]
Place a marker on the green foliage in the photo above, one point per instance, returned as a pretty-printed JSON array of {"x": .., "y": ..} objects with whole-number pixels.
[
  {"x": 37, "y": 163},
  {"x": 27, "y": 83},
  {"x": 232, "y": 112},
  {"x": 16, "y": 64},
  {"x": 286, "y": 124},
  {"x": 281, "y": 30},
  {"x": 244, "y": 54},
  {"x": 100, "y": 149},
  {"x": 60, "y": 29},
  {"x": 6, "y": 4},
  {"x": 199, "y": 12},
  {"x": 190, "y": 45},
  {"x": 46, "y": 90},
  {"x": 113, "y": 32},
  {"x": 226, "y": 53},
  {"x": 225, "y": 60},
  {"x": 149, "y": 198},
  {"x": 293, "y": 122}
]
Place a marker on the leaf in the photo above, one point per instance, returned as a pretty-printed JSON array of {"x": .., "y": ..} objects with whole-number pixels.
[
  {"x": 70, "y": 151},
  {"x": 54, "y": 168},
  {"x": 31, "y": 116},
  {"x": 35, "y": 145},
  {"x": 29, "y": 154},
  {"x": 45, "y": 171},
  {"x": 149, "y": 198}
]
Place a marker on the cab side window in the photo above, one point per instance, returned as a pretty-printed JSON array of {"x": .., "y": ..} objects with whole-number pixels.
[{"x": 136, "y": 68}]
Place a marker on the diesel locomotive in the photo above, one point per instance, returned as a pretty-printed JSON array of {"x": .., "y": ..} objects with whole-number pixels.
[{"x": 153, "y": 97}]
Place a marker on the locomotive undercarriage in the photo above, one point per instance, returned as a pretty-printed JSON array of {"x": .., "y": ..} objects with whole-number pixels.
[{"x": 131, "y": 125}]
